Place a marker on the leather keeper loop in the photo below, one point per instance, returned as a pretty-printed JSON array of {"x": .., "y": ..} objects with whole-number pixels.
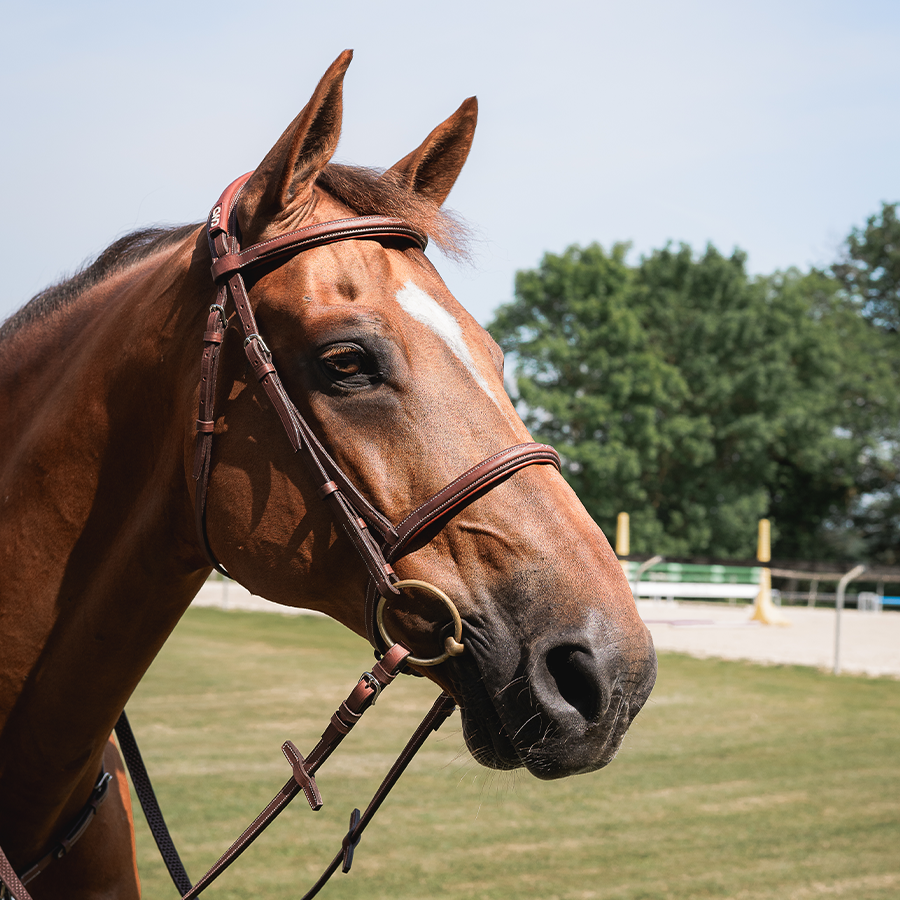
[
  {"x": 213, "y": 337},
  {"x": 261, "y": 369},
  {"x": 328, "y": 488},
  {"x": 224, "y": 267},
  {"x": 205, "y": 427},
  {"x": 347, "y": 715},
  {"x": 389, "y": 666},
  {"x": 339, "y": 725},
  {"x": 344, "y": 718}
]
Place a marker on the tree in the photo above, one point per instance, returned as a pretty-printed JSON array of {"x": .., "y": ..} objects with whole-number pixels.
[
  {"x": 869, "y": 273},
  {"x": 700, "y": 399},
  {"x": 870, "y": 268}
]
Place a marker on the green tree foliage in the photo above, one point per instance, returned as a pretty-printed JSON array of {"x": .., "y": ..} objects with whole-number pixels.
[
  {"x": 700, "y": 399},
  {"x": 870, "y": 269},
  {"x": 869, "y": 273}
]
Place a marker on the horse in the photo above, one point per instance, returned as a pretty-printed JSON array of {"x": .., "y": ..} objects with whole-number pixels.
[{"x": 105, "y": 537}]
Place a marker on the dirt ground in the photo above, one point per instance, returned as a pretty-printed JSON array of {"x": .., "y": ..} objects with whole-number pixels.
[{"x": 870, "y": 641}]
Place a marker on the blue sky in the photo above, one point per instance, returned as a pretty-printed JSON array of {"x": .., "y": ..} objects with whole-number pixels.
[{"x": 773, "y": 127}]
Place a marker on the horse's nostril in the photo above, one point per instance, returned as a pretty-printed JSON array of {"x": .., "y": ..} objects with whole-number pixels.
[{"x": 578, "y": 680}]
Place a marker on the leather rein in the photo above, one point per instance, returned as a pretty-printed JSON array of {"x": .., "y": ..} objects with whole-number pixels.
[{"x": 378, "y": 542}]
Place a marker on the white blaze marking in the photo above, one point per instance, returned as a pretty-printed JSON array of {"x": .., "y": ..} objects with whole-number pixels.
[{"x": 429, "y": 312}]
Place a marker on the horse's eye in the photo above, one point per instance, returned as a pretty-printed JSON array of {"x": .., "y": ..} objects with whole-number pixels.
[
  {"x": 343, "y": 362},
  {"x": 348, "y": 364}
]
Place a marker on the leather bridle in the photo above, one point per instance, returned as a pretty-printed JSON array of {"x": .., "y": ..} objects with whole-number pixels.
[{"x": 378, "y": 542}]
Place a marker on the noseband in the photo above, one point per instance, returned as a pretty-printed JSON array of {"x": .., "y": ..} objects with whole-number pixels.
[{"x": 376, "y": 539}]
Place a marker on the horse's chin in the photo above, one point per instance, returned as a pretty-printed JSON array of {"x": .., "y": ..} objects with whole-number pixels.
[{"x": 491, "y": 744}]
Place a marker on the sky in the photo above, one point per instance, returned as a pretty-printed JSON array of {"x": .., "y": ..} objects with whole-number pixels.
[{"x": 773, "y": 127}]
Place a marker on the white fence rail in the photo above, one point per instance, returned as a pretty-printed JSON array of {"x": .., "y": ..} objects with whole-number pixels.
[{"x": 672, "y": 590}]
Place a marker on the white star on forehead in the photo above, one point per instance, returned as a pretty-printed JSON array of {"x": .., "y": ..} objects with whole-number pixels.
[{"x": 425, "y": 309}]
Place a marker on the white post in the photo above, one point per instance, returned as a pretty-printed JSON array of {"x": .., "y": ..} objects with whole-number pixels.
[
  {"x": 813, "y": 590},
  {"x": 838, "y": 606},
  {"x": 648, "y": 564}
]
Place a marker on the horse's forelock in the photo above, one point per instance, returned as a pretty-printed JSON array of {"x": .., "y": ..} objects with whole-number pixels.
[{"x": 372, "y": 192}]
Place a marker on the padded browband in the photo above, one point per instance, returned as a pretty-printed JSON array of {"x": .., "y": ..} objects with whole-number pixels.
[
  {"x": 356, "y": 228},
  {"x": 228, "y": 258}
]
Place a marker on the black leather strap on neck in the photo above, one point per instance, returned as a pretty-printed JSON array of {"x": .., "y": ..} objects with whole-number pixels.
[{"x": 15, "y": 884}]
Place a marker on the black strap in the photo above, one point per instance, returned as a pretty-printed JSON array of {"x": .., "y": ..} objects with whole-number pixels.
[
  {"x": 13, "y": 885},
  {"x": 150, "y": 805}
]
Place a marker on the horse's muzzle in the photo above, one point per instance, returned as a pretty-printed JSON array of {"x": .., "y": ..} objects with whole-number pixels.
[{"x": 565, "y": 705}]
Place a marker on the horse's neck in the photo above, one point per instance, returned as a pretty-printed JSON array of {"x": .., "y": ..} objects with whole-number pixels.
[{"x": 96, "y": 544}]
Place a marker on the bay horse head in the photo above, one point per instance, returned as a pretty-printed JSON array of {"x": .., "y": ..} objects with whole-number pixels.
[
  {"x": 404, "y": 464},
  {"x": 406, "y": 392}
]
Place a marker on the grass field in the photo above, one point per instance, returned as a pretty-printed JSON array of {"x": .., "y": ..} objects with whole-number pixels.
[{"x": 736, "y": 781}]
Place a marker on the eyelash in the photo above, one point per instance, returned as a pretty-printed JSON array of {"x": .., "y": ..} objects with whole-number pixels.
[{"x": 362, "y": 370}]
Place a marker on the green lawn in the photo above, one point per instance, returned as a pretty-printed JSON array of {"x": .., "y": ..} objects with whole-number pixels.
[{"x": 736, "y": 781}]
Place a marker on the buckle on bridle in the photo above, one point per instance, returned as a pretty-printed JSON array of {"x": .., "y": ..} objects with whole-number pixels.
[
  {"x": 372, "y": 682},
  {"x": 217, "y": 307},
  {"x": 259, "y": 340}
]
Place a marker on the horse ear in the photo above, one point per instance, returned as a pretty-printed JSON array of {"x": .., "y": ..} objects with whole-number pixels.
[
  {"x": 433, "y": 167},
  {"x": 285, "y": 177}
]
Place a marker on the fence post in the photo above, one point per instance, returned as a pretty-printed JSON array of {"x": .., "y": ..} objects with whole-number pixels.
[
  {"x": 813, "y": 590},
  {"x": 764, "y": 610},
  {"x": 623, "y": 536},
  {"x": 838, "y": 607},
  {"x": 623, "y": 541}
]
